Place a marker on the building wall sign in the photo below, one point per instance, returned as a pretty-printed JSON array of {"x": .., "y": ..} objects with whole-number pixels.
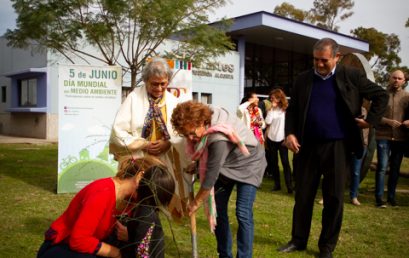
[
  {"x": 220, "y": 80},
  {"x": 216, "y": 70}
]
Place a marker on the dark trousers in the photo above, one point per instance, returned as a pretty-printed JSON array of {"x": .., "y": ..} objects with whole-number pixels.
[
  {"x": 273, "y": 149},
  {"x": 331, "y": 160},
  {"x": 47, "y": 250}
]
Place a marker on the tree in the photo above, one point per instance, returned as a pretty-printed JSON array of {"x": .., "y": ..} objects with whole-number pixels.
[
  {"x": 123, "y": 32},
  {"x": 383, "y": 51},
  {"x": 407, "y": 23},
  {"x": 325, "y": 13},
  {"x": 290, "y": 11}
]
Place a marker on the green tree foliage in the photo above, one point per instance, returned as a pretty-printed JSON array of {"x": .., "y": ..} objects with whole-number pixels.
[
  {"x": 123, "y": 32},
  {"x": 383, "y": 51},
  {"x": 290, "y": 11},
  {"x": 325, "y": 13}
]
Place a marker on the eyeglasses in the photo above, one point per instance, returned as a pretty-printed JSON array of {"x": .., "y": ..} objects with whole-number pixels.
[
  {"x": 162, "y": 84},
  {"x": 191, "y": 133}
]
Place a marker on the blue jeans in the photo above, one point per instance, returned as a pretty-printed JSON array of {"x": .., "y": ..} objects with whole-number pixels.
[
  {"x": 388, "y": 152},
  {"x": 246, "y": 195},
  {"x": 356, "y": 167}
]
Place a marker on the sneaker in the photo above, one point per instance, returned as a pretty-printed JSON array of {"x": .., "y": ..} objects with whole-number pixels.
[
  {"x": 392, "y": 202},
  {"x": 380, "y": 204},
  {"x": 355, "y": 201}
]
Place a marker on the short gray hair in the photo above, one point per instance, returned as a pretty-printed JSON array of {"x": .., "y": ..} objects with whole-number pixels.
[
  {"x": 157, "y": 67},
  {"x": 325, "y": 42}
]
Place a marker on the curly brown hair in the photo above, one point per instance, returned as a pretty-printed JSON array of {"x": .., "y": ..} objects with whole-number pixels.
[
  {"x": 190, "y": 113},
  {"x": 280, "y": 96}
]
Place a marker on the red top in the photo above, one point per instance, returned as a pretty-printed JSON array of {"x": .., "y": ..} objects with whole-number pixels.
[{"x": 89, "y": 218}]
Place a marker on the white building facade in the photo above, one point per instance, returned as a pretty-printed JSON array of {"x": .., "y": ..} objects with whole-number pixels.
[{"x": 270, "y": 51}]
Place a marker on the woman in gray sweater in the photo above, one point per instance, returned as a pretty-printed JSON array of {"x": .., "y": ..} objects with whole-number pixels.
[{"x": 229, "y": 155}]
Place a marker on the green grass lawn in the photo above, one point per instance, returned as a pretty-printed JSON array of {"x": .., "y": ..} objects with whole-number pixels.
[{"x": 29, "y": 203}]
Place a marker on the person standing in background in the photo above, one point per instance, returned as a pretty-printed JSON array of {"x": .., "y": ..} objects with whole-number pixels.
[
  {"x": 275, "y": 135},
  {"x": 391, "y": 138},
  {"x": 323, "y": 129},
  {"x": 357, "y": 162},
  {"x": 252, "y": 116}
]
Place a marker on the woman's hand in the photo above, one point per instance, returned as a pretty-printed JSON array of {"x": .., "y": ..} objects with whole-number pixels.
[
  {"x": 121, "y": 231},
  {"x": 191, "y": 168},
  {"x": 201, "y": 195},
  {"x": 157, "y": 147},
  {"x": 192, "y": 207}
]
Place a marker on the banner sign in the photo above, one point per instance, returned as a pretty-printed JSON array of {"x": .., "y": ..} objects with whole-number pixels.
[
  {"x": 89, "y": 97},
  {"x": 181, "y": 83}
]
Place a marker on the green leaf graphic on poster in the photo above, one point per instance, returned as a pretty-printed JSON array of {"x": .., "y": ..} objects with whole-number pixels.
[{"x": 78, "y": 174}]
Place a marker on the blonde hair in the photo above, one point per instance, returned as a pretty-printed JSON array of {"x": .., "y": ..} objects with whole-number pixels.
[{"x": 129, "y": 167}]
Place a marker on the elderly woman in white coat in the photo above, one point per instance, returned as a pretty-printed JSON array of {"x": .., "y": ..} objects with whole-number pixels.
[{"x": 142, "y": 127}]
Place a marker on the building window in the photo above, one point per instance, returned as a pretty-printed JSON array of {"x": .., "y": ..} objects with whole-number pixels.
[
  {"x": 3, "y": 94},
  {"x": 195, "y": 96},
  {"x": 28, "y": 93},
  {"x": 206, "y": 98}
]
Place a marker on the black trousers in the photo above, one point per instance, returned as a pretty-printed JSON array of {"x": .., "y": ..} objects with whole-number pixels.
[
  {"x": 330, "y": 159},
  {"x": 272, "y": 152}
]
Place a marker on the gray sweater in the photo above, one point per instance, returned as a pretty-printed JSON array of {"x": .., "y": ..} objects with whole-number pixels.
[{"x": 225, "y": 157}]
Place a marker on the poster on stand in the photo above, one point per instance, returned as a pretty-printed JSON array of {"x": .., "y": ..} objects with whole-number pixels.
[{"x": 89, "y": 97}]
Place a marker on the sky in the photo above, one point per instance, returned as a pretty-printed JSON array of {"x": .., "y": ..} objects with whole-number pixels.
[{"x": 386, "y": 16}]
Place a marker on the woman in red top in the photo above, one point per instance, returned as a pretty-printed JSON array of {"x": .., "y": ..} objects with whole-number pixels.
[{"x": 92, "y": 214}]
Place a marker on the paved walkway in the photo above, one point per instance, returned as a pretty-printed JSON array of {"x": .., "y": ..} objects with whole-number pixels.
[{"x": 16, "y": 139}]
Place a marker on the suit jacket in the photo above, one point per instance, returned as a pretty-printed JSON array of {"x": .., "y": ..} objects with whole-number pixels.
[{"x": 352, "y": 87}]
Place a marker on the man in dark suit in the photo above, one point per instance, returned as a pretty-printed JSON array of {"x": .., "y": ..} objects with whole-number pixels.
[{"x": 323, "y": 129}]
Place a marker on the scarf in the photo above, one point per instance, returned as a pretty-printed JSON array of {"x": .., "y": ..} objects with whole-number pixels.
[
  {"x": 200, "y": 152},
  {"x": 154, "y": 115},
  {"x": 255, "y": 118}
]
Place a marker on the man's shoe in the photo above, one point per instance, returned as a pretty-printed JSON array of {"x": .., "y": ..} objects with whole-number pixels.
[
  {"x": 290, "y": 247},
  {"x": 276, "y": 188},
  {"x": 289, "y": 190},
  {"x": 392, "y": 202},
  {"x": 325, "y": 254},
  {"x": 380, "y": 204}
]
